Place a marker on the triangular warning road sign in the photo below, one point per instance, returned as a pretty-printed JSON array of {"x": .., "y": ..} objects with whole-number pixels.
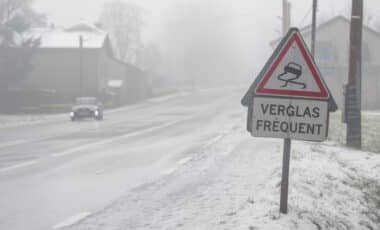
[{"x": 292, "y": 72}]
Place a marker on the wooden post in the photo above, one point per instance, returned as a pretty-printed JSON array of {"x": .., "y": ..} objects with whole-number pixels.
[{"x": 353, "y": 88}]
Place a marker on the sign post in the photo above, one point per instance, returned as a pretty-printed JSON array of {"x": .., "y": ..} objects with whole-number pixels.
[
  {"x": 285, "y": 177},
  {"x": 289, "y": 99}
]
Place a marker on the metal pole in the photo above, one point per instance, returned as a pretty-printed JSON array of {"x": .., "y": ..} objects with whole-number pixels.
[
  {"x": 285, "y": 177},
  {"x": 353, "y": 90},
  {"x": 287, "y": 141},
  {"x": 313, "y": 27},
  {"x": 81, "y": 65}
]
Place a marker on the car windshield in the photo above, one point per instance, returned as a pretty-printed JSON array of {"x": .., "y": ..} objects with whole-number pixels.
[{"x": 85, "y": 101}]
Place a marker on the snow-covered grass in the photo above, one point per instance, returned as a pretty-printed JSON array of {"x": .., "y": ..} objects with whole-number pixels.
[
  {"x": 330, "y": 188},
  {"x": 370, "y": 130},
  {"x": 233, "y": 180},
  {"x": 7, "y": 121}
]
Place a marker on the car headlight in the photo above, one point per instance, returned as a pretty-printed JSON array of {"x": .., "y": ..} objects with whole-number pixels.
[
  {"x": 96, "y": 113},
  {"x": 72, "y": 114}
]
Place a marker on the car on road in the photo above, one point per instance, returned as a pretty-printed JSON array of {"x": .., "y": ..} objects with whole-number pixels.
[{"x": 86, "y": 107}]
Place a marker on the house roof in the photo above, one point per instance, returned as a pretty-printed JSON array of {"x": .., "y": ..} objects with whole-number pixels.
[
  {"x": 93, "y": 38},
  {"x": 69, "y": 37},
  {"x": 305, "y": 31}
]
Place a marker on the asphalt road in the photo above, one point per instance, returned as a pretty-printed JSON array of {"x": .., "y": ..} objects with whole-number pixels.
[{"x": 57, "y": 172}]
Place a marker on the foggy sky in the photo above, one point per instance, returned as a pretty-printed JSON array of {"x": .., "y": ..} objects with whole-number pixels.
[
  {"x": 256, "y": 22},
  {"x": 67, "y": 12}
]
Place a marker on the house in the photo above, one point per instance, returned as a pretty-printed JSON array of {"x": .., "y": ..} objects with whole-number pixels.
[
  {"x": 79, "y": 61},
  {"x": 332, "y": 56}
]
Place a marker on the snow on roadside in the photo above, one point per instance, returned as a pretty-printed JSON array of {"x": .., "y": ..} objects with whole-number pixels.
[
  {"x": 233, "y": 182},
  {"x": 16, "y": 120},
  {"x": 330, "y": 188},
  {"x": 9, "y": 121}
]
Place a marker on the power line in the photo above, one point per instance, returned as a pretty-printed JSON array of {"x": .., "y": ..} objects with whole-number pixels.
[{"x": 304, "y": 18}]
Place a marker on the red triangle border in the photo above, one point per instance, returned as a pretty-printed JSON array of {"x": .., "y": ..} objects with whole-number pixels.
[{"x": 295, "y": 37}]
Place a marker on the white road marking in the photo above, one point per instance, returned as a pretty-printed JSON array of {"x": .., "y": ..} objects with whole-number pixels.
[
  {"x": 13, "y": 143},
  {"x": 110, "y": 140},
  {"x": 72, "y": 220},
  {"x": 100, "y": 171},
  {"x": 21, "y": 165},
  {"x": 169, "y": 171},
  {"x": 184, "y": 160},
  {"x": 174, "y": 169},
  {"x": 79, "y": 148}
]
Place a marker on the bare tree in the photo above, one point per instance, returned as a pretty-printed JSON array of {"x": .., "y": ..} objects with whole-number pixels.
[
  {"x": 150, "y": 58},
  {"x": 16, "y": 18},
  {"x": 124, "y": 22}
]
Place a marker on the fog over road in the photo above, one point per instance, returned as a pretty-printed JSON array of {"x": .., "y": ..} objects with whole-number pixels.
[{"x": 57, "y": 172}]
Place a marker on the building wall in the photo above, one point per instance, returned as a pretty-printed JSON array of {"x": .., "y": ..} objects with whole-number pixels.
[
  {"x": 138, "y": 84},
  {"x": 110, "y": 69},
  {"x": 55, "y": 78},
  {"x": 335, "y": 68},
  {"x": 58, "y": 70}
]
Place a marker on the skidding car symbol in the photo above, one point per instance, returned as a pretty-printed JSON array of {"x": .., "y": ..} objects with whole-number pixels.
[{"x": 292, "y": 72}]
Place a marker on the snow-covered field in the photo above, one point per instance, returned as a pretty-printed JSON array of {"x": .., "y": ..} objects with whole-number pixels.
[{"x": 232, "y": 181}]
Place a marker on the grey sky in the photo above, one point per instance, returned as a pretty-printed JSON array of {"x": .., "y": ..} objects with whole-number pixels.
[
  {"x": 257, "y": 21},
  {"x": 68, "y": 11},
  {"x": 248, "y": 12}
]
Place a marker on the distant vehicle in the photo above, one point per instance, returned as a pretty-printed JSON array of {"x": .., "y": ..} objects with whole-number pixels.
[{"x": 86, "y": 107}]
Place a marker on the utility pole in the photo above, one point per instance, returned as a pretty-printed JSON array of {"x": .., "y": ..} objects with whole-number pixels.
[
  {"x": 353, "y": 88},
  {"x": 285, "y": 16},
  {"x": 314, "y": 27},
  {"x": 81, "y": 65},
  {"x": 287, "y": 142}
]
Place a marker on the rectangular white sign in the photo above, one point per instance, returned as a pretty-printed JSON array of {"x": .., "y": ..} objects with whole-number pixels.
[{"x": 289, "y": 118}]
